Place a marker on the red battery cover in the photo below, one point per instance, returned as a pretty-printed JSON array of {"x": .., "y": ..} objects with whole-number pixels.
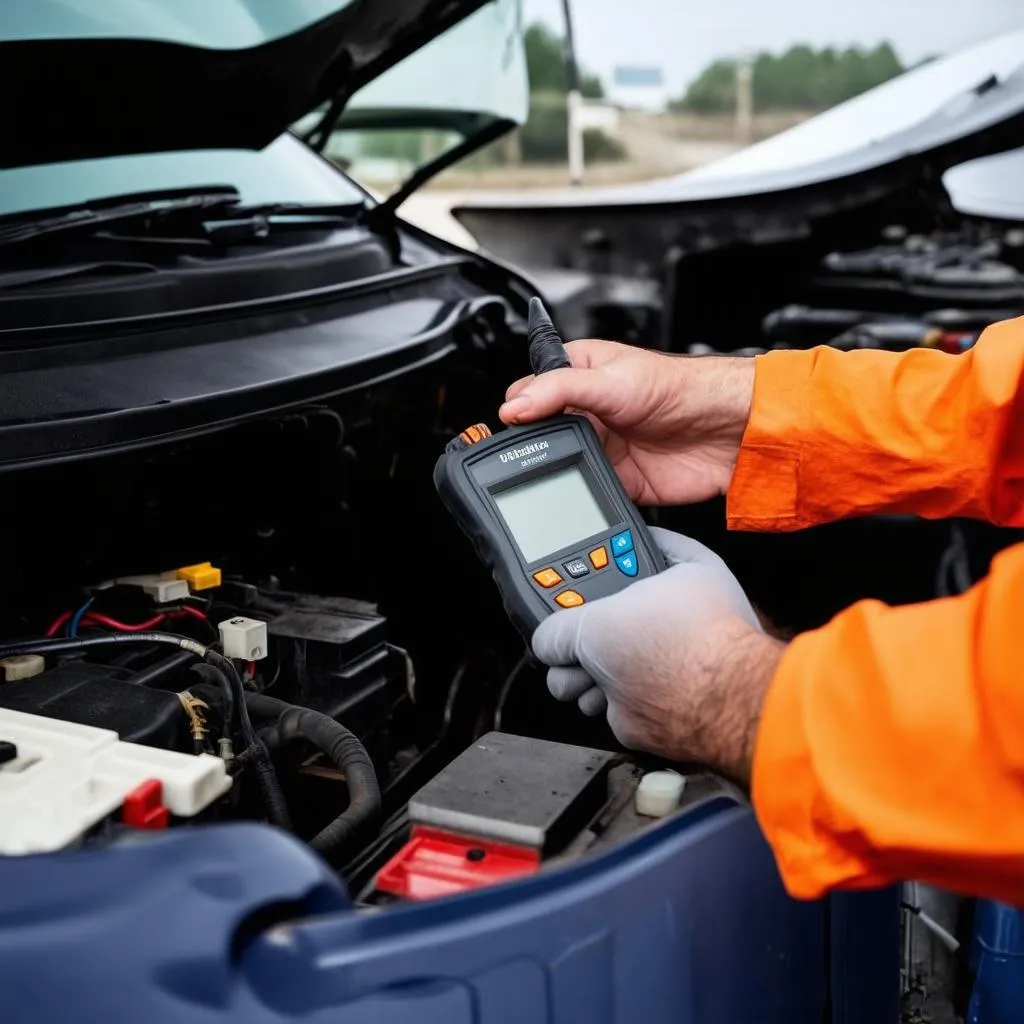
[{"x": 435, "y": 863}]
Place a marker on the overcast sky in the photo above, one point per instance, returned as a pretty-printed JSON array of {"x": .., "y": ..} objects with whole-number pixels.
[{"x": 682, "y": 36}]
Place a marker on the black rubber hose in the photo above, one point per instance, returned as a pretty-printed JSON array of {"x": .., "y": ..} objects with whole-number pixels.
[{"x": 343, "y": 749}]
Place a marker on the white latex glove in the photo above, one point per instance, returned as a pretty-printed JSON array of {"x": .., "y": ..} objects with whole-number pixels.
[{"x": 679, "y": 660}]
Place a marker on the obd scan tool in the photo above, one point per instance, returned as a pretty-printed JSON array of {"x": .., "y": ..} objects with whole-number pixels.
[{"x": 543, "y": 507}]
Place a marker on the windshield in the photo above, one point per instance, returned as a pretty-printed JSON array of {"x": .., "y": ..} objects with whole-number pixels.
[
  {"x": 468, "y": 83},
  {"x": 226, "y": 24},
  {"x": 287, "y": 171}
]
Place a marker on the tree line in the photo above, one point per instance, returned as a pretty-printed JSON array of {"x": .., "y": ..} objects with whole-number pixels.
[{"x": 802, "y": 78}]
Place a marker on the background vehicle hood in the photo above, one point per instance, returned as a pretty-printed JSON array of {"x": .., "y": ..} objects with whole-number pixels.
[
  {"x": 926, "y": 121},
  {"x": 114, "y": 77}
]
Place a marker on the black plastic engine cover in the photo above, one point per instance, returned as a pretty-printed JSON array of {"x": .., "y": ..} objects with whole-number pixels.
[{"x": 89, "y": 694}]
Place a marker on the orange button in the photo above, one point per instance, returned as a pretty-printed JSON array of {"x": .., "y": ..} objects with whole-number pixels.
[
  {"x": 547, "y": 578},
  {"x": 569, "y": 599},
  {"x": 599, "y": 558}
]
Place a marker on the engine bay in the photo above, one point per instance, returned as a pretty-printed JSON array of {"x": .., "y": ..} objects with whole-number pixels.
[
  {"x": 311, "y": 644},
  {"x": 354, "y": 598},
  {"x": 898, "y": 288},
  {"x": 277, "y": 620}
]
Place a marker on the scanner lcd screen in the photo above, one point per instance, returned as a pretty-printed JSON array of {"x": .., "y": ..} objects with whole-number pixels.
[{"x": 551, "y": 512}]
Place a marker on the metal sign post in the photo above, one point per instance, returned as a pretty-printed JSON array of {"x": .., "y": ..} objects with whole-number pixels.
[{"x": 574, "y": 105}]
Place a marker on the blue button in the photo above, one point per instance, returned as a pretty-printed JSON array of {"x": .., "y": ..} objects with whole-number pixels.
[
  {"x": 622, "y": 542},
  {"x": 627, "y": 564}
]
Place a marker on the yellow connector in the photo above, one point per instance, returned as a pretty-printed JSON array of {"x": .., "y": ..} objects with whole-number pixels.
[{"x": 200, "y": 577}]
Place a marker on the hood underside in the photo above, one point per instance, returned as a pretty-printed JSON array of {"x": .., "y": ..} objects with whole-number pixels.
[{"x": 155, "y": 77}]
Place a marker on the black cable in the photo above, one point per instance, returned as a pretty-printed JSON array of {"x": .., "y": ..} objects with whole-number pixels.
[
  {"x": 547, "y": 351},
  {"x": 226, "y": 666},
  {"x": 273, "y": 795},
  {"x": 506, "y": 689},
  {"x": 156, "y": 672},
  {"x": 343, "y": 749},
  {"x": 56, "y": 645},
  {"x": 212, "y": 674},
  {"x": 954, "y": 572}
]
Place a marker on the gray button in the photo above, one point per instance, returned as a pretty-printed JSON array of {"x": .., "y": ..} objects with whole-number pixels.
[{"x": 577, "y": 568}]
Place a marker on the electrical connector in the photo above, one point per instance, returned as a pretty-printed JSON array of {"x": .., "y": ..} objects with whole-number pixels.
[
  {"x": 244, "y": 639},
  {"x": 164, "y": 587},
  {"x": 65, "y": 779},
  {"x": 21, "y": 666},
  {"x": 203, "y": 576}
]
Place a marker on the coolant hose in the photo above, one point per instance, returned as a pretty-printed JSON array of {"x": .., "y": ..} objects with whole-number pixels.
[{"x": 343, "y": 749}]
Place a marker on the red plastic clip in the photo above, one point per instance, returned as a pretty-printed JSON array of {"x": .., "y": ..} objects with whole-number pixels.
[{"x": 144, "y": 808}]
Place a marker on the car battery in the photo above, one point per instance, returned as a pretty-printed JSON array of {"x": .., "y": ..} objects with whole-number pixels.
[{"x": 498, "y": 811}]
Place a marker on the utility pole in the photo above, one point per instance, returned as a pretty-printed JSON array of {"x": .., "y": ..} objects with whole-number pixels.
[
  {"x": 744, "y": 100},
  {"x": 574, "y": 107}
]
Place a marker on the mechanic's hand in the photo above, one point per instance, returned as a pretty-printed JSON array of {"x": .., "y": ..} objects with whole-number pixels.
[
  {"x": 680, "y": 659},
  {"x": 671, "y": 425}
]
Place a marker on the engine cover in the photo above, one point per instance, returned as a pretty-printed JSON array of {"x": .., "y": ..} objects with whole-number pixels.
[{"x": 91, "y": 694}]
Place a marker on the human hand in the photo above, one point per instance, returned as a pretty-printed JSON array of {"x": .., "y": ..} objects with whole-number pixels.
[
  {"x": 679, "y": 659},
  {"x": 671, "y": 425}
]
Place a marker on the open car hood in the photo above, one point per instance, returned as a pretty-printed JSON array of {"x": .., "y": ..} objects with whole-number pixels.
[
  {"x": 900, "y": 137},
  {"x": 80, "y": 81}
]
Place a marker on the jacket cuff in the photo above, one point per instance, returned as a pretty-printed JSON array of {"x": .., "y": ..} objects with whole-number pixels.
[
  {"x": 786, "y": 789},
  {"x": 765, "y": 490}
]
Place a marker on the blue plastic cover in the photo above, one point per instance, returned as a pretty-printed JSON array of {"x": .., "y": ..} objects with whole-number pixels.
[
  {"x": 997, "y": 960},
  {"x": 685, "y": 924}
]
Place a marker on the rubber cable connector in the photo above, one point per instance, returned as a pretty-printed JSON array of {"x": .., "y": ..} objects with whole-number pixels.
[{"x": 547, "y": 352}]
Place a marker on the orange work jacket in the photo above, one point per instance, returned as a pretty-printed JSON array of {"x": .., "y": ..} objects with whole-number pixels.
[{"x": 891, "y": 744}]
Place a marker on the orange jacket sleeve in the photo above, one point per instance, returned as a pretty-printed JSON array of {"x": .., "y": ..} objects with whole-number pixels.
[{"x": 891, "y": 744}]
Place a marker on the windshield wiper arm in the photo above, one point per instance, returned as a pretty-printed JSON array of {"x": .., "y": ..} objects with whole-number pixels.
[
  {"x": 326, "y": 210},
  {"x": 95, "y": 214}
]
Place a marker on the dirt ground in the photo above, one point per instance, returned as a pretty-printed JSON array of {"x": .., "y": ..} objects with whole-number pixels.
[
  {"x": 659, "y": 145},
  {"x": 430, "y": 207}
]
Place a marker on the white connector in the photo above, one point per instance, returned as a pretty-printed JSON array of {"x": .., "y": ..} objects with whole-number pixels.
[
  {"x": 163, "y": 587},
  {"x": 66, "y": 778},
  {"x": 21, "y": 666},
  {"x": 244, "y": 639},
  {"x": 659, "y": 793}
]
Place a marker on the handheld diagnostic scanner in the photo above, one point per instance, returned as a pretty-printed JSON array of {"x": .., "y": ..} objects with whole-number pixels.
[{"x": 543, "y": 507}]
